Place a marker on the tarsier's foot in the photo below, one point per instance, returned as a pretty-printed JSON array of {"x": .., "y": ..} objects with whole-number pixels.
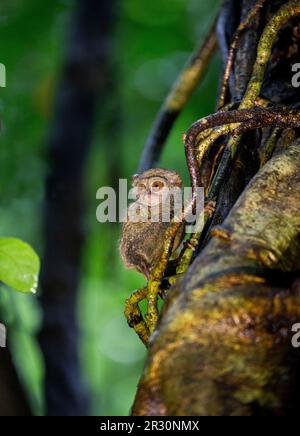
[
  {"x": 142, "y": 327},
  {"x": 134, "y": 315},
  {"x": 145, "y": 327}
]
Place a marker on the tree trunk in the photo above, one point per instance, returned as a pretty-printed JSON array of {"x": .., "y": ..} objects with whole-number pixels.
[{"x": 84, "y": 76}]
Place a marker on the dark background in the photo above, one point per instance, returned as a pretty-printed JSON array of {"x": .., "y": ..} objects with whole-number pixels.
[{"x": 84, "y": 82}]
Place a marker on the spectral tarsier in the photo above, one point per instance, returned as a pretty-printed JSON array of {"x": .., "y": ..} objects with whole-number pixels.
[
  {"x": 144, "y": 231},
  {"x": 149, "y": 218}
]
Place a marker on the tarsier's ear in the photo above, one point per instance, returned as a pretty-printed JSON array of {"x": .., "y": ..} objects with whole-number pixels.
[{"x": 134, "y": 178}]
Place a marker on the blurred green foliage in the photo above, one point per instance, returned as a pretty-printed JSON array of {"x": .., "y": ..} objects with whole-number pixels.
[{"x": 153, "y": 40}]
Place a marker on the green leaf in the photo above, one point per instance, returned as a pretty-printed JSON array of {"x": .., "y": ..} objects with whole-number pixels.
[{"x": 19, "y": 265}]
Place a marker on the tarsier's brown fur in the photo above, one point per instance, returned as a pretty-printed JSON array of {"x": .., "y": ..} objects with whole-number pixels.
[{"x": 142, "y": 242}]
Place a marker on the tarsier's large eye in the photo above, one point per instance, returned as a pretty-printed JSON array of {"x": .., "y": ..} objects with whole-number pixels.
[{"x": 157, "y": 186}]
